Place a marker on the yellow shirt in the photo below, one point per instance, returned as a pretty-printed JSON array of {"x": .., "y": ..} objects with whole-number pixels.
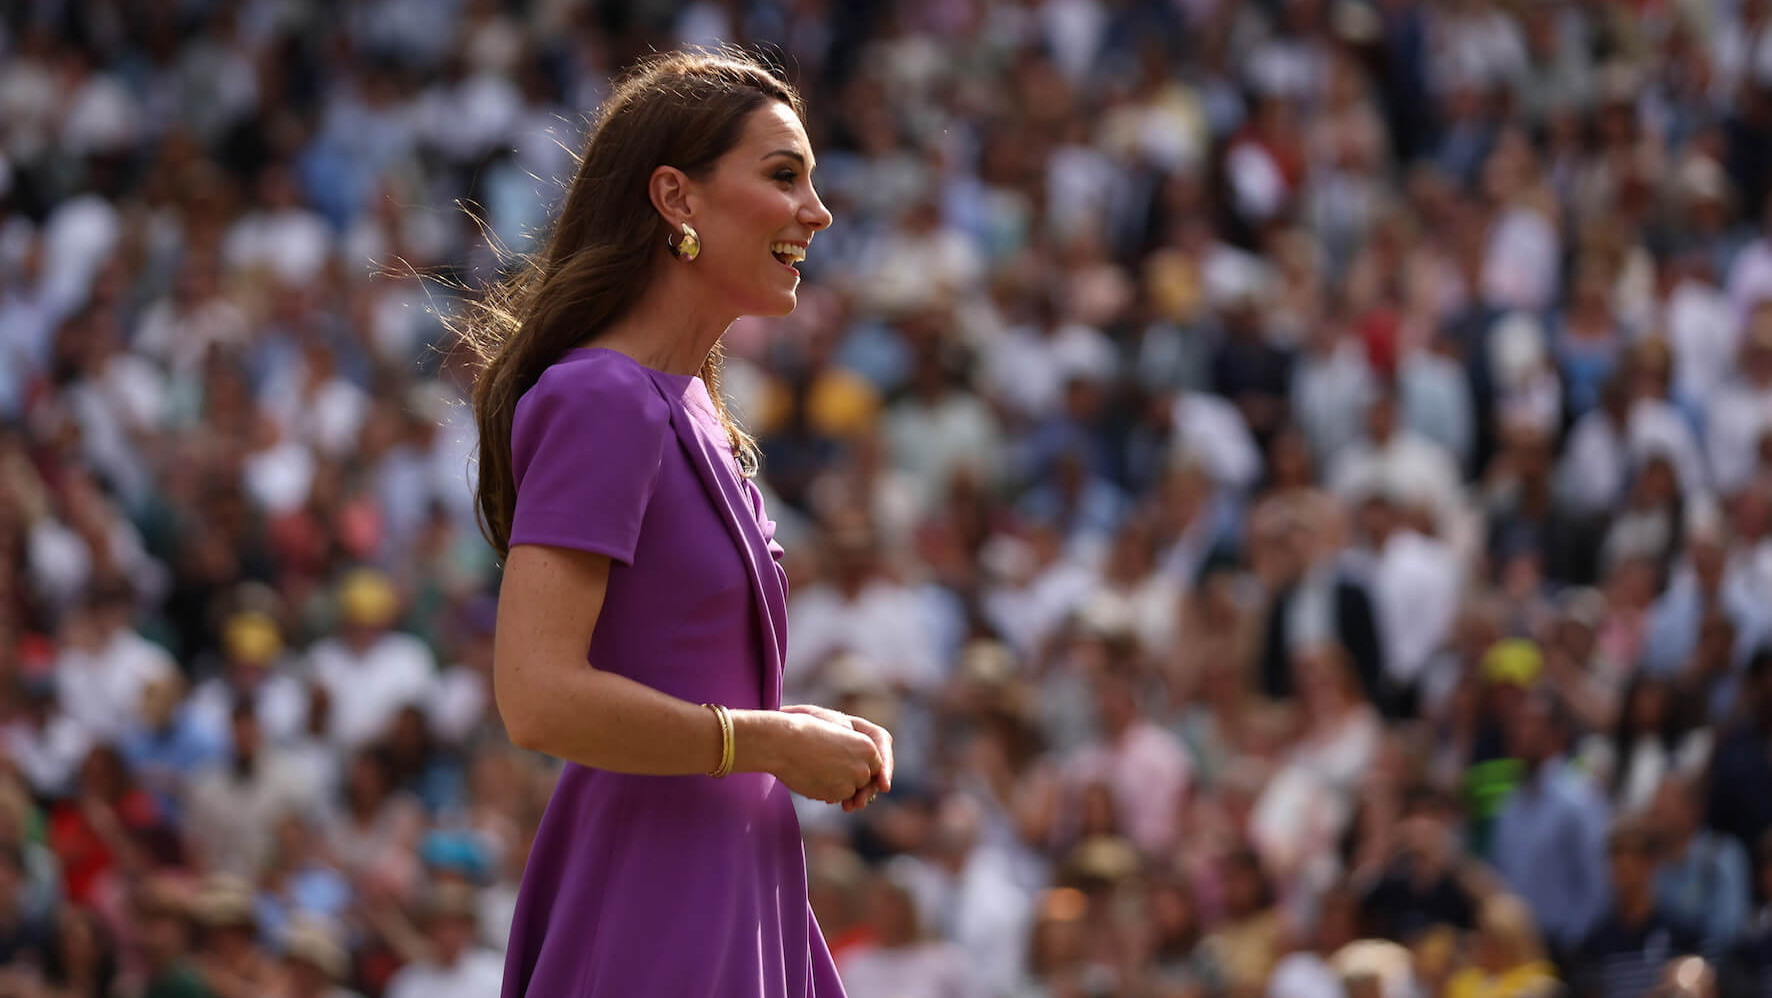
[{"x": 1520, "y": 982}]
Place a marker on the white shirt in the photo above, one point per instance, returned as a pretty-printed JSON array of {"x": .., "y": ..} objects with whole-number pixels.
[
  {"x": 1436, "y": 401},
  {"x": 367, "y": 690},
  {"x": 1596, "y": 462},
  {"x": 457, "y": 703},
  {"x": 48, "y": 757},
  {"x": 921, "y": 970},
  {"x": 983, "y": 908},
  {"x": 279, "y": 478},
  {"x": 932, "y": 441},
  {"x": 883, "y": 625},
  {"x": 1304, "y": 975},
  {"x": 103, "y": 690},
  {"x": 478, "y": 974},
  {"x": 1738, "y": 415},
  {"x": 1025, "y": 615},
  {"x": 1329, "y": 392},
  {"x": 1416, "y": 585},
  {"x": 1704, "y": 334},
  {"x": 234, "y": 820},
  {"x": 1522, "y": 266},
  {"x": 1750, "y": 277},
  {"x": 295, "y": 244},
  {"x": 1211, "y": 429},
  {"x": 281, "y": 701},
  {"x": 1420, "y": 468},
  {"x": 1028, "y": 370}
]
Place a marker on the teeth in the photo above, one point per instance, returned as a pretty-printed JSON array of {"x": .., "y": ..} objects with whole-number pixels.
[{"x": 788, "y": 250}]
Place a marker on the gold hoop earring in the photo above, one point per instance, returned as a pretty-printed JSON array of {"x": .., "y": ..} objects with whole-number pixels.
[{"x": 688, "y": 247}]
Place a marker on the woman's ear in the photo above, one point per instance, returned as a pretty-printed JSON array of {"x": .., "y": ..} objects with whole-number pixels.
[{"x": 669, "y": 189}]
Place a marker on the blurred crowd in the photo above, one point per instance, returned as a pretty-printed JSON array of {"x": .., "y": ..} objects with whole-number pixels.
[{"x": 1295, "y": 476}]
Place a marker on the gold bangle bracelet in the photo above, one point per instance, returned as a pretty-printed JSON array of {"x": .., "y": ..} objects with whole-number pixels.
[{"x": 726, "y": 746}]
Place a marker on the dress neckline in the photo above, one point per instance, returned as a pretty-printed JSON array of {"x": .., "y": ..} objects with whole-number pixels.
[{"x": 683, "y": 379}]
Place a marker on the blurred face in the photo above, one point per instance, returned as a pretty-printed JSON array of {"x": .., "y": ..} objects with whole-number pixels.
[
  {"x": 1098, "y": 810},
  {"x": 1172, "y": 911},
  {"x": 1632, "y": 866},
  {"x": 1242, "y": 889},
  {"x": 1381, "y": 419},
  {"x": 891, "y": 914},
  {"x": 1649, "y": 707},
  {"x": 452, "y": 934},
  {"x": 102, "y": 775},
  {"x": 366, "y": 782},
  {"x": 1116, "y": 704},
  {"x": 756, "y": 214},
  {"x": 1673, "y": 812},
  {"x": 306, "y": 978},
  {"x": 1533, "y": 733},
  {"x": 1289, "y": 461}
]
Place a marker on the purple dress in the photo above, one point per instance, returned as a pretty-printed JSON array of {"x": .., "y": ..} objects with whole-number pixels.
[{"x": 681, "y": 886}]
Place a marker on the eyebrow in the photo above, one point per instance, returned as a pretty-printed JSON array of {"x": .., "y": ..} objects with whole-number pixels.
[{"x": 788, "y": 152}]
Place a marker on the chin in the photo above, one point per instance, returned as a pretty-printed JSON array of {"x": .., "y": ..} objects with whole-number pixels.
[{"x": 773, "y": 306}]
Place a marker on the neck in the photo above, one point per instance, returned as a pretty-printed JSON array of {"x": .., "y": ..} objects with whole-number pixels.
[{"x": 671, "y": 328}]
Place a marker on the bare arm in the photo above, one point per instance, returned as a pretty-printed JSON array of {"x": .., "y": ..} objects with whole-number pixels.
[{"x": 553, "y": 702}]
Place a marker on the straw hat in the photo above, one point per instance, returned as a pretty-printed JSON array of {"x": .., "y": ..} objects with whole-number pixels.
[
  {"x": 367, "y": 597},
  {"x": 252, "y": 636},
  {"x": 225, "y": 902},
  {"x": 309, "y": 942}
]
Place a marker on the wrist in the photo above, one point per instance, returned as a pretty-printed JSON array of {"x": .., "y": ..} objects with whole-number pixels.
[{"x": 757, "y": 740}]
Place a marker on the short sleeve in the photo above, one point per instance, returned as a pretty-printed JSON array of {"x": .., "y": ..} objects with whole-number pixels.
[{"x": 586, "y": 446}]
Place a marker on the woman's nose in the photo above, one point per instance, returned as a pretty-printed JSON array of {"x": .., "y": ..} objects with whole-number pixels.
[{"x": 819, "y": 217}]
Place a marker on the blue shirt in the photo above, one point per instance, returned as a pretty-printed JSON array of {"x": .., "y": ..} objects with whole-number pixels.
[
  {"x": 1707, "y": 889},
  {"x": 1550, "y": 846}
]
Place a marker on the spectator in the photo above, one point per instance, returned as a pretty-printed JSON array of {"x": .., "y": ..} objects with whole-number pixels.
[
  {"x": 370, "y": 670},
  {"x": 1626, "y": 950},
  {"x": 1748, "y": 965},
  {"x": 313, "y": 961},
  {"x": 454, "y": 965},
  {"x": 1145, "y": 768},
  {"x": 1508, "y": 959},
  {"x": 1704, "y": 880},
  {"x": 905, "y": 959},
  {"x": 233, "y": 805},
  {"x": 1545, "y": 834},
  {"x": 1119, "y": 332}
]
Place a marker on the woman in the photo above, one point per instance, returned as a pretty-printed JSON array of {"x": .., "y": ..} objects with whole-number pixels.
[
  {"x": 1655, "y": 738},
  {"x": 618, "y": 490}
]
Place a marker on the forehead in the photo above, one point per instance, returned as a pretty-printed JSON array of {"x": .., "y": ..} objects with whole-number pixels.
[{"x": 773, "y": 126}]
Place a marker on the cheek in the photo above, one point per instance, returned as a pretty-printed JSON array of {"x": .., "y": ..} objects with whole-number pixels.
[{"x": 755, "y": 215}]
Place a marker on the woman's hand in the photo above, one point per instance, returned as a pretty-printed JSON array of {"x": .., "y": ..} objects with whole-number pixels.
[
  {"x": 826, "y": 760},
  {"x": 882, "y": 739}
]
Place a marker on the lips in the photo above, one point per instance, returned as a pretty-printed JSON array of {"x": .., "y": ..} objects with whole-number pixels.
[{"x": 787, "y": 254}]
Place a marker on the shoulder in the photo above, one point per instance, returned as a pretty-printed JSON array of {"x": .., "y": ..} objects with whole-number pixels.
[{"x": 598, "y": 386}]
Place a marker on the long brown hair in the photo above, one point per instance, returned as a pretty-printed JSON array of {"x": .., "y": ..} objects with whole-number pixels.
[{"x": 684, "y": 109}]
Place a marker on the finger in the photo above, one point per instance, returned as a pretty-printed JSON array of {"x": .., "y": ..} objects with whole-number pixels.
[
  {"x": 882, "y": 740},
  {"x": 875, "y": 761}
]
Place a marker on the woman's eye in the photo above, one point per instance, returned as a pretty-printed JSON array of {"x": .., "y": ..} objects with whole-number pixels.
[{"x": 786, "y": 176}]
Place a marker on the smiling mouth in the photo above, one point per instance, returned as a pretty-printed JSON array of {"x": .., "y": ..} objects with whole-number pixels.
[{"x": 787, "y": 254}]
